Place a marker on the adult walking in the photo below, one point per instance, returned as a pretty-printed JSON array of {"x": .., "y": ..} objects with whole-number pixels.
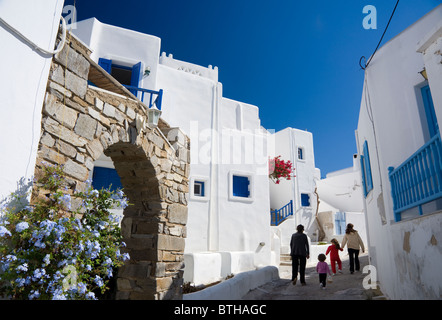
[
  {"x": 300, "y": 252},
  {"x": 354, "y": 243}
]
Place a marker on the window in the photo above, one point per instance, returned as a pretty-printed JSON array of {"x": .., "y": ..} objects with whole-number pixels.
[
  {"x": 305, "y": 200},
  {"x": 241, "y": 186},
  {"x": 126, "y": 75},
  {"x": 367, "y": 181},
  {"x": 106, "y": 178},
  {"x": 340, "y": 223},
  {"x": 198, "y": 188},
  {"x": 300, "y": 153}
]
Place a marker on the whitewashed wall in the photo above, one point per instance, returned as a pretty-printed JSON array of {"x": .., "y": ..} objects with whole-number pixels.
[
  {"x": 24, "y": 75},
  {"x": 341, "y": 191},
  {"x": 225, "y": 137},
  {"x": 405, "y": 252},
  {"x": 286, "y": 143}
]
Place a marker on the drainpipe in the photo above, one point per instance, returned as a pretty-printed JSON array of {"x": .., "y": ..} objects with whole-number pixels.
[
  {"x": 213, "y": 236},
  {"x": 295, "y": 185}
]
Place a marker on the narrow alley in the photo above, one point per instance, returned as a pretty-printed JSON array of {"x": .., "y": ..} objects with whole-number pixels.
[{"x": 345, "y": 286}]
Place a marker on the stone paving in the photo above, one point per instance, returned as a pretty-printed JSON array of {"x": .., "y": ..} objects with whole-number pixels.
[{"x": 345, "y": 286}]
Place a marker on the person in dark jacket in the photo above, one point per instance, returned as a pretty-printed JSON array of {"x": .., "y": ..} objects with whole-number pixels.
[{"x": 299, "y": 251}]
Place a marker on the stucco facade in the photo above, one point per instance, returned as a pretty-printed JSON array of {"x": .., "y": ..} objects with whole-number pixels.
[{"x": 404, "y": 246}]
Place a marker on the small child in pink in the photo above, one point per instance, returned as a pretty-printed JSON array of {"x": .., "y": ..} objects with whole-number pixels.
[{"x": 322, "y": 269}]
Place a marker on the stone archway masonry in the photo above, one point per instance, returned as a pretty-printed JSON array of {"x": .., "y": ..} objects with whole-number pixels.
[{"x": 79, "y": 123}]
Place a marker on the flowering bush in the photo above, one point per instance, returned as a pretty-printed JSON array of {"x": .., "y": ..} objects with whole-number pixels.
[
  {"x": 280, "y": 169},
  {"x": 48, "y": 251}
]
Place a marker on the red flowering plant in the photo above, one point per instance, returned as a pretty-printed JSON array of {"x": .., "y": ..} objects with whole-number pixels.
[{"x": 280, "y": 169}]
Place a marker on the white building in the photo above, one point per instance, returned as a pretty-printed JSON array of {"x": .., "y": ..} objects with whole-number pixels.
[
  {"x": 228, "y": 229},
  {"x": 340, "y": 195},
  {"x": 23, "y": 59},
  {"x": 398, "y": 139},
  {"x": 296, "y": 194}
]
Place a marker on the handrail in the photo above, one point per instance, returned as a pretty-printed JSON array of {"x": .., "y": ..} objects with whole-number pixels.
[
  {"x": 279, "y": 215},
  {"x": 157, "y": 101},
  {"x": 418, "y": 179}
]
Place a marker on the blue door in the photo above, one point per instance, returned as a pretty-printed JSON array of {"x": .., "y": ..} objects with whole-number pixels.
[
  {"x": 340, "y": 223},
  {"x": 433, "y": 127},
  {"x": 106, "y": 178}
]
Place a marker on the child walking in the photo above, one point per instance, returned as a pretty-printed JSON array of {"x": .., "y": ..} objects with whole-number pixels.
[
  {"x": 322, "y": 269},
  {"x": 334, "y": 249}
]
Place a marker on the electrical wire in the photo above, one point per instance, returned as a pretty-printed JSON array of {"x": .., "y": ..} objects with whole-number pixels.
[
  {"x": 380, "y": 41},
  {"x": 34, "y": 45}
]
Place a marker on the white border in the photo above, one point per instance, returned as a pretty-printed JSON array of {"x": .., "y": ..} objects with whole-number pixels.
[{"x": 206, "y": 196}]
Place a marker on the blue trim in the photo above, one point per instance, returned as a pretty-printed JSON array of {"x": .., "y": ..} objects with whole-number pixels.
[
  {"x": 433, "y": 126},
  {"x": 367, "y": 180},
  {"x": 106, "y": 64},
  {"x": 240, "y": 186},
  {"x": 202, "y": 186},
  {"x": 305, "y": 200},
  {"x": 136, "y": 77}
]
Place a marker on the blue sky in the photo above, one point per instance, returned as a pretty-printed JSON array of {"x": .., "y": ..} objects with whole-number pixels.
[{"x": 298, "y": 61}]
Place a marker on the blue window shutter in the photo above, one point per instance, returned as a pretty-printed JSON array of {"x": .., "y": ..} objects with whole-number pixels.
[
  {"x": 305, "y": 200},
  {"x": 241, "y": 186},
  {"x": 368, "y": 177},
  {"x": 136, "y": 77},
  {"x": 433, "y": 126},
  {"x": 104, "y": 177},
  {"x": 363, "y": 175},
  {"x": 106, "y": 64}
]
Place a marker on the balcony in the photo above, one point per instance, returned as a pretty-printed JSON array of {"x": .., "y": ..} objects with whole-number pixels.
[
  {"x": 418, "y": 180},
  {"x": 151, "y": 93}
]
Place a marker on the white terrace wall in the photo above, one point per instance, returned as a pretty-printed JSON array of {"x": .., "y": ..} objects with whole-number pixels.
[
  {"x": 24, "y": 74},
  {"x": 407, "y": 253}
]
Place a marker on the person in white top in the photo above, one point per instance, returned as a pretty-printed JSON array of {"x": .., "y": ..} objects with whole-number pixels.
[{"x": 354, "y": 243}]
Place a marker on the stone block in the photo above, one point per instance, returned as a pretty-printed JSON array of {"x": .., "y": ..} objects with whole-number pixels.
[
  {"x": 66, "y": 149},
  {"x": 57, "y": 130},
  {"x": 135, "y": 271},
  {"x": 95, "y": 149},
  {"x": 76, "y": 170},
  {"x": 76, "y": 84},
  {"x": 60, "y": 89},
  {"x": 63, "y": 114},
  {"x": 99, "y": 104},
  {"x": 167, "y": 242},
  {"x": 86, "y": 126},
  {"x": 109, "y": 110},
  {"x": 57, "y": 74},
  {"x": 177, "y": 213},
  {"x": 74, "y": 61}
]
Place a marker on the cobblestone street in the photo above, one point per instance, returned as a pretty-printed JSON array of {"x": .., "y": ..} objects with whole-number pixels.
[{"x": 345, "y": 286}]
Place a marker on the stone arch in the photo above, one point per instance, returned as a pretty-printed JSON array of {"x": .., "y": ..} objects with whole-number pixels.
[{"x": 79, "y": 123}]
